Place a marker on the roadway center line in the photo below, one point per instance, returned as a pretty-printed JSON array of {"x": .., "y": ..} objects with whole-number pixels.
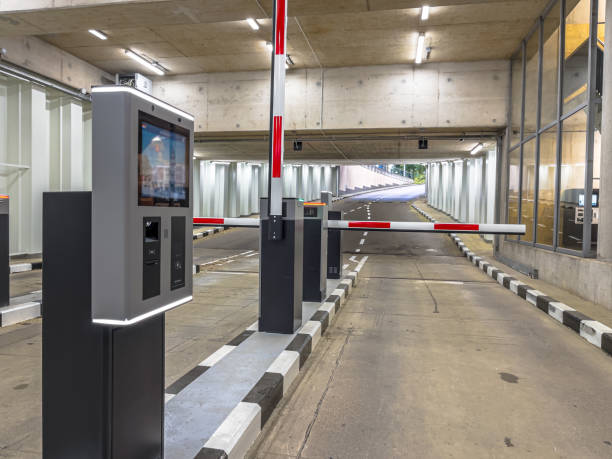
[{"x": 361, "y": 242}]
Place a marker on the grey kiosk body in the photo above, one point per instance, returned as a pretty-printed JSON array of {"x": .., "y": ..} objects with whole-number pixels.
[
  {"x": 142, "y": 215},
  {"x": 315, "y": 251},
  {"x": 280, "y": 278},
  {"x": 4, "y": 251},
  {"x": 114, "y": 260}
]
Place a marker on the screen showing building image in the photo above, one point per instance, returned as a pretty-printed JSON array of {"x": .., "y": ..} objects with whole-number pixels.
[{"x": 163, "y": 164}]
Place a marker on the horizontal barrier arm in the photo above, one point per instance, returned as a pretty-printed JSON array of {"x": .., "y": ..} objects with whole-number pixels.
[
  {"x": 228, "y": 222},
  {"x": 419, "y": 227},
  {"x": 411, "y": 227}
]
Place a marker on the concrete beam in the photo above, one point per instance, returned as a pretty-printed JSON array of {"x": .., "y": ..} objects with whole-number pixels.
[
  {"x": 40, "y": 57},
  {"x": 450, "y": 95}
]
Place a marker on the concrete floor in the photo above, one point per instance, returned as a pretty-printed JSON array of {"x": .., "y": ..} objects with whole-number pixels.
[
  {"x": 486, "y": 375},
  {"x": 225, "y": 303},
  {"x": 430, "y": 358}
]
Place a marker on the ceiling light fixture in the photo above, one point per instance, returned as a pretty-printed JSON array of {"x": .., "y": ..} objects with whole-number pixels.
[
  {"x": 425, "y": 13},
  {"x": 253, "y": 23},
  {"x": 141, "y": 60},
  {"x": 97, "y": 33},
  {"x": 420, "y": 47},
  {"x": 476, "y": 149}
]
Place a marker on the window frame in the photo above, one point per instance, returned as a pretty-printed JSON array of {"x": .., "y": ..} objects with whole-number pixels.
[{"x": 589, "y": 106}]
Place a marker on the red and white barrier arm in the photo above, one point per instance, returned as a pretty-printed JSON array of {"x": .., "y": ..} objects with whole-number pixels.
[
  {"x": 229, "y": 222},
  {"x": 418, "y": 227},
  {"x": 410, "y": 227}
]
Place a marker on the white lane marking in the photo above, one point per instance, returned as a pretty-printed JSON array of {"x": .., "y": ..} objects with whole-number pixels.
[
  {"x": 251, "y": 255},
  {"x": 358, "y": 250},
  {"x": 365, "y": 234},
  {"x": 362, "y": 242},
  {"x": 353, "y": 259},
  {"x": 345, "y": 266},
  {"x": 227, "y": 258}
]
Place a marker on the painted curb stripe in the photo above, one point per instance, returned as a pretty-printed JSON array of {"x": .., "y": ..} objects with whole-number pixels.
[
  {"x": 241, "y": 338},
  {"x": 606, "y": 342},
  {"x": 302, "y": 344},
  {"x": 323, "y": 317},
  {"x": 267, "y": 393},
  {"x": 572, "y": 319},
  {"x": 186, "y": 379}
]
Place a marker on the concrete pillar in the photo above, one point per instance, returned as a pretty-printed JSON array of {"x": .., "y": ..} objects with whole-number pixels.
[
  {"x": 483, "y": 195},
  {"x": 604, "y": 238},
  {"x": 465, "y": 191},
  {"x": 197, "y": 195}
]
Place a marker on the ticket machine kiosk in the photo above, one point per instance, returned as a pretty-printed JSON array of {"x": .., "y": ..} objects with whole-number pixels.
[
  {"x": 114, "y": 261},
  {"x": 315, "y": 251},
  {"x": 4, "y": 250}
]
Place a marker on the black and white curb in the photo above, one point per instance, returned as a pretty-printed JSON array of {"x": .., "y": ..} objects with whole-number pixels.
[
  {"x": 591, "y": 330},
  {"x": 24, "y": 267},
  {"x": 240, "y": 429},
  {"x": 208, "y": 232}
]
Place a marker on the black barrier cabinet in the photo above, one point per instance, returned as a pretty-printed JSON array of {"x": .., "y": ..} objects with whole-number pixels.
[
  {"x": 315, "y": 252},
  {"x": 103, "y": 387},
  {"x": 334, "y": 248},
  {"x": 280, "y": 276},
  {"x": 4, "y": 252}
]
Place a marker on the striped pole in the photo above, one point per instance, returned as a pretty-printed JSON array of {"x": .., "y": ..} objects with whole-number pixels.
[{"x": 277, "y": 121}]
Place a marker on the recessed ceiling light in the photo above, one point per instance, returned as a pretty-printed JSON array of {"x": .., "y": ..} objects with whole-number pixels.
[
  {"x": 97, "y": 33},
  {"x": 141, "y": 60},
  {"x": 420, "y": 47},
  {"x": 425, "y": 13},
  {"x": 253, "y": 23}
]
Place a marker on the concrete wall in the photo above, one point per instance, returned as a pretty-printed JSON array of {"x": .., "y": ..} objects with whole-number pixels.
[
  {"x": 356, "y": 177},
  {"x": 464, "y": 189},
  {"x": 233, "y": 189},
  {"x": 45, "y": 59},
  {"x": 45, "y": 145},
  {"x": 449, "y": 95}
]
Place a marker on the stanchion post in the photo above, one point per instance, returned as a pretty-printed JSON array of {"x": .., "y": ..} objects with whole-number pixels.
[{"x": 4, "y": 251}]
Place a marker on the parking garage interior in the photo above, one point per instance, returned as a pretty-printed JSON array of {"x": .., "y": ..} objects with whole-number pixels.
[{"x": 467, "y": 307}]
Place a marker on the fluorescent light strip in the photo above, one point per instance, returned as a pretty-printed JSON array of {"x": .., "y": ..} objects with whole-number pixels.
[
  {"x": 425, "y": 13},
  {"x": 144, "y": 96},
  {"x": 420, "y": 47},
  {"x": 253, "y": 23},
  {"x": 141, "y": 60},
  {"x": 97, "y": 33},
  {"x": 126, "y": 322},
  {"x": 476, "y": 149}
]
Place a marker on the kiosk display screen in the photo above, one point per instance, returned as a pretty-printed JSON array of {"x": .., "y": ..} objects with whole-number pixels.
[
  {"x": 163, "y": 163},
  {"x": 594, "y": 200}
]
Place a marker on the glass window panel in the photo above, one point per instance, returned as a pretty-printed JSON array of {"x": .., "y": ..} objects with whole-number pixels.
[
  {"x": 576, "y": 53},
  {"x": 531, "y": 84},
  {"x": 546, "y": 186},
  {"x": 517, "y": 98},
  {"x": 550, "y": 65},
  {"x": 514, "y": 172},
  {"x": 573, "y": 156},
  {"x": 528, "y": 189}
]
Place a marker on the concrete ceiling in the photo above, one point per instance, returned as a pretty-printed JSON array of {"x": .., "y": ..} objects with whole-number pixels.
[
  {"x": 370, "y": 148},
  {"x": 191, "y": 36}
]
